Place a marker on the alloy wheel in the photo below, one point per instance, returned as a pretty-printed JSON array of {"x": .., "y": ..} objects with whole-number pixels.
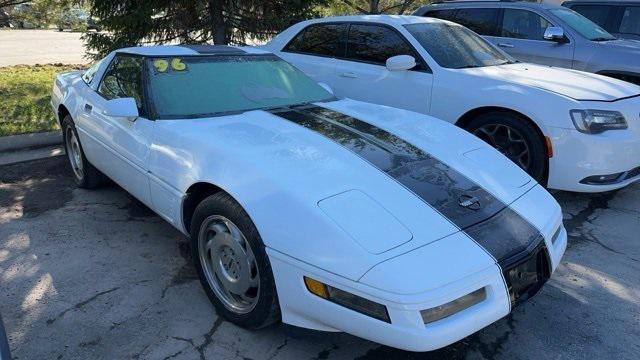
[{"x": 229, "y": 264}]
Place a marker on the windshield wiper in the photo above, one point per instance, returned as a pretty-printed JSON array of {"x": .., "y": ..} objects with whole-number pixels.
[{"x": 600, "y": 39}]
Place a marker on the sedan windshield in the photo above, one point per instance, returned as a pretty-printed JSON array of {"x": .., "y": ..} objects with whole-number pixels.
[
  {"x": 201, "y": 86},
  {"x": 582, "y": 25},
  {"x": 456, "y": 47}
]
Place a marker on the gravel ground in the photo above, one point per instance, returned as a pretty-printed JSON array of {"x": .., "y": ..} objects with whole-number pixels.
[{"x": 96, "y": 275}]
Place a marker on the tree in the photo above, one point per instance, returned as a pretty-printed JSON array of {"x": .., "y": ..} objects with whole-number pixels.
[
  {"x": 132, "y": 22},
  {"x": 341, "y": 7}
]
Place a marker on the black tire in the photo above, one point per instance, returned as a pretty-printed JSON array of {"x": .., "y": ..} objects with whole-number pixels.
[
  {"x": 266, "y": 310},
  {"x": 89, "y": 177},
  {"x": 536, "y": 163}
]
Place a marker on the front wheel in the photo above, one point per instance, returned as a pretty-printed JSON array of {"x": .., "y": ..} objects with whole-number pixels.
[
  {"x": 85, "y": 174},
  {"x": 232, "y": 263},
  {"x": 515, "y": 138}
]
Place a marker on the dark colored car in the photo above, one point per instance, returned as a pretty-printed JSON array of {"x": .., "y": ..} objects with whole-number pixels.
[{"x": 620, "y": 18}]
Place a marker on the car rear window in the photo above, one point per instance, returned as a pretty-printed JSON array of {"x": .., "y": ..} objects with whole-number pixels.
[{"x": 321, "y": 39}]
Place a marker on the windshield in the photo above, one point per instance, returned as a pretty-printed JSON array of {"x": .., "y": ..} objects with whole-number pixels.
[
  {"x": 582, "y": 25},
  {"x": 200, "y": 86},
  {"x": 456, "y": 47}
]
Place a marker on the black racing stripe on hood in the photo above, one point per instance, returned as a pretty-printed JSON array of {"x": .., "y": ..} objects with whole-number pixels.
[
  {"x": 430, "y": 179},
  {"x": 499, "y": 230}
]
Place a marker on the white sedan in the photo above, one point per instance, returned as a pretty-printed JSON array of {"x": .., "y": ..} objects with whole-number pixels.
[
  {"x": 568, "y": 129},
  {"x": 328, "y": 214}
]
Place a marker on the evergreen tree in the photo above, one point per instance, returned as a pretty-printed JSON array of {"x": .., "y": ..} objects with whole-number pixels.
[{"x": 133, "y": 22}]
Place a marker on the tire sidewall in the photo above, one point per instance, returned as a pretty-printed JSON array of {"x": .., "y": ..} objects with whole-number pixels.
[
  {"x": 538, "y": 169},
  {"x": 222, "y": 204},
  {"x": 67, "y": 124}
]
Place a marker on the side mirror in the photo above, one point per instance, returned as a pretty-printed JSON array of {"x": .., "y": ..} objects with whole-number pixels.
[
  {"x": 327, "y": 87},
  {"x": 122, "y": 107},
  {"x": 401, "y": 62},
  {"x": 554, "y": 33}
]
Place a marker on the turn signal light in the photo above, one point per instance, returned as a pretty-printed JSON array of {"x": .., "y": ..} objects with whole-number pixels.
[{"x": 348, "y": 300}]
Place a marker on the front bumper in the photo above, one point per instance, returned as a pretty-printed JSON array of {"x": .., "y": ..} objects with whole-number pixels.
[
  {"x": 579, "y": 157},
  {"x": 407, "y": 329}
]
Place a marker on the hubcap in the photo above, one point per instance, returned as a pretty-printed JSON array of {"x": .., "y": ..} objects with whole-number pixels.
[
  {"x": 74, "y": 153},
  {"x": 229, "y": 264},
  {"x": 508, "y": 141}
]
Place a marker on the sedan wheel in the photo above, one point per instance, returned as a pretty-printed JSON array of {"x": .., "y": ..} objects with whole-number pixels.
[
  {"x": 516, "y": 137},
  {"x": 229, "y": 264},
  {"x": 508, "y": 141}
]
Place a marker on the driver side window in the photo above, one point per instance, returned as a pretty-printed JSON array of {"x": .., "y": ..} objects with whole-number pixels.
[
  {"x": 523, "y": 24},
  {"x": 123, "y": 78}
]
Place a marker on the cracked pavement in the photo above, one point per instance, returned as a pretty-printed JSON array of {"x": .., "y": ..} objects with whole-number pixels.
[{"x": 96, "y": 275}]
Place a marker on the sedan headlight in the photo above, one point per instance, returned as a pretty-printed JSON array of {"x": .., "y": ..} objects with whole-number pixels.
[{"x": 597, "y": 121}]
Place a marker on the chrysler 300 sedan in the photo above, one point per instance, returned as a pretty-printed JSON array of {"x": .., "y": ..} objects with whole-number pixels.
[
  {"x": 328, "y": 214},
  {"x": 568, "y": 129}
]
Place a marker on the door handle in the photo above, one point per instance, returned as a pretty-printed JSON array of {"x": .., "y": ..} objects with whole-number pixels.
[
  {"x": 505, "y": 45},
  {"x": 88, "y": 108},
  {"x": 351, "y": 75}
]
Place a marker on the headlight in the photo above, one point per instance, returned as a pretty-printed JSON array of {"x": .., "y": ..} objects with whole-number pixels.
[
  {"x": 455, "y": 306},
  {"x": 348, "y": 300},
  {"x": 597, "y": 121}
]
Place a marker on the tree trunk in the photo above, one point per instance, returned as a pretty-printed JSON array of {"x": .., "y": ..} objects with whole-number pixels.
[{"x": 217, "y": 22}]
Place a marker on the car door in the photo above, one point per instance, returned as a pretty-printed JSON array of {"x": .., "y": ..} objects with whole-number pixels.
[
  {"x": 362, "y": 73},
  {"x": 117, "y": 146},
  {"x": 521, "y": 34},
  {"x": 314, "y": 50}
]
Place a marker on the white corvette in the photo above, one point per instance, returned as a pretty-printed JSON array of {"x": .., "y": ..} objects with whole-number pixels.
[
  {"x": 569, "y": 129},
  {"x": 328, "y": 214}
]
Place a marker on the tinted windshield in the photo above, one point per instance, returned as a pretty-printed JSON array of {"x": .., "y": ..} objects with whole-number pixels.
[
  {"x": 582, "y": 25},
  {"x": 454, "y": 46},
  {"x": 199, "y": 86}
]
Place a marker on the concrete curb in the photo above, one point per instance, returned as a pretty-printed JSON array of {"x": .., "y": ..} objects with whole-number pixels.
[{"x": 17, "y": 142}]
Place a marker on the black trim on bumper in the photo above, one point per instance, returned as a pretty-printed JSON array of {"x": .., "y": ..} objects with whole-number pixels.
[{"x": 525, "y": 273}]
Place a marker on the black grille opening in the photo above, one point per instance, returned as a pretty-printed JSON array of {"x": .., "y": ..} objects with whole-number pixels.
[{"x": 526, "y": 276}]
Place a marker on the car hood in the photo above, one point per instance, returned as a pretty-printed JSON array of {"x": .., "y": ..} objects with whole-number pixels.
[
  {"x": 331, "y": 191},
  {"x": 575, "y": 84}
]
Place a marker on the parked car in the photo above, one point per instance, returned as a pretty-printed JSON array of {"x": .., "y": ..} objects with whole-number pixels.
[
  {"x": 329, "y": 214},
  {"x": 77, "y": 18},
  {"x": 620, "y": 18},
  {"x": 564, "y": 126},
  {"x": 545, "y": 34}
]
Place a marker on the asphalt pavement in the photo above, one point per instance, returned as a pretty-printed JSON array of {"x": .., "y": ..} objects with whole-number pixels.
[{"x": 96, "y": 275}]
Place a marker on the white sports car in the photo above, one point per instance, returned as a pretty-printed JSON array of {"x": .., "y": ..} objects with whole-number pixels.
[
  {"x": 328, "y": 214},
  {"x": 569, "y": 129}
]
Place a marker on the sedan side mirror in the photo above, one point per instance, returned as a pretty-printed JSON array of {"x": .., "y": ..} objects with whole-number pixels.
[
  {"x": 122, "y": 107},
  {"x": 401, "y": 63},
  {"x": 554, "y": 33}
]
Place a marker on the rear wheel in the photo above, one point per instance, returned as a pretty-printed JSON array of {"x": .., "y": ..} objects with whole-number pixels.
[
  {"x": 232, "y": 264},
  {"x": 514, "y": 137},
  {"x": 85, "y": 174}
]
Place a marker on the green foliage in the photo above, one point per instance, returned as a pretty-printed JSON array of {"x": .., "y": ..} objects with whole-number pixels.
[
  {"x": 25, "y": 92},
  {"x": 347, "y": 7},
  {"x": 39, "y": 13},
  {"x": 132, "y": 22}
]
